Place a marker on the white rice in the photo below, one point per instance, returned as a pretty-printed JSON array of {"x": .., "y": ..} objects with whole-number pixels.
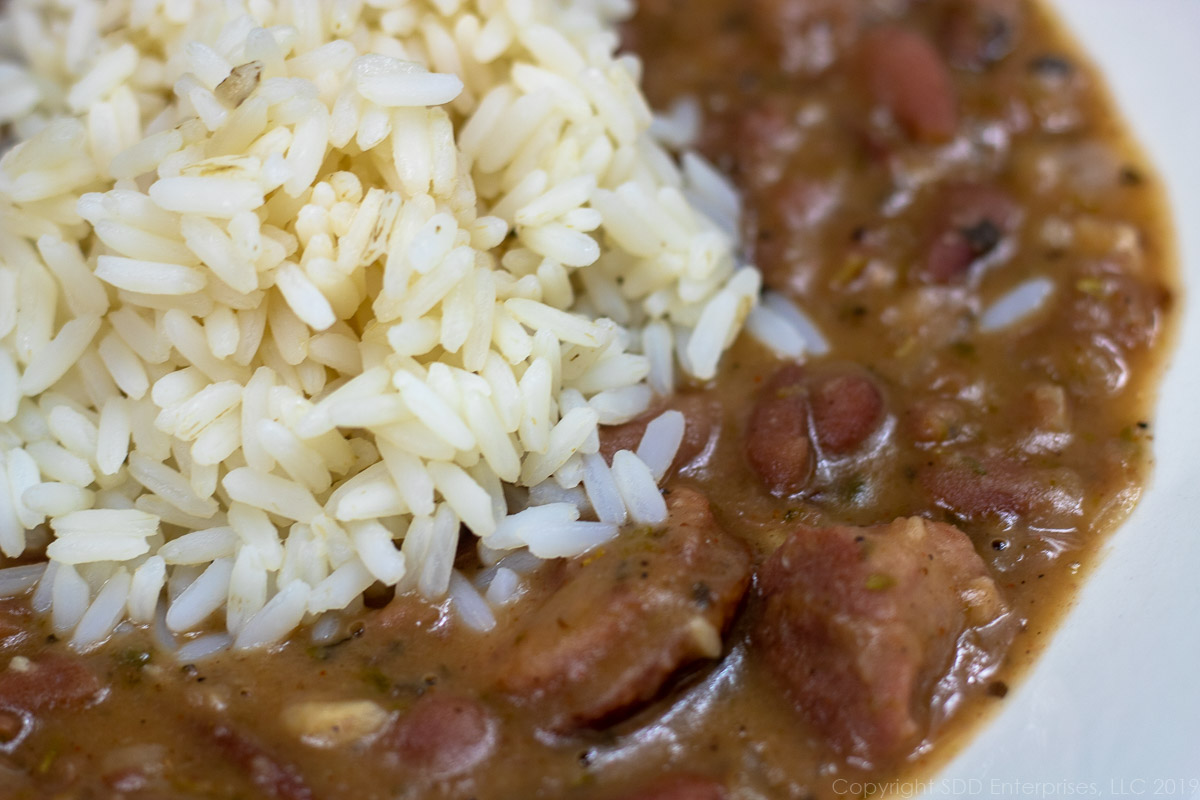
[
  {"x": 203, "y": 647},
  {"x": 104, "y": 613},
  {"x": 504, "y": 587},
  {"x": 569, "y": 539},
  {"x": 293, "y": 297},
  {"x": 148, "y": 581},
  {"x": 340, "y": 587},
  {"x": 661, "y": 441},
  {"x": 54, "y": 499},
  {"x": 69, "y": 596},
  {"x": 777, "y": 332},
  {"x": 637, "y": 487},
  {"x": 602, "y": 490},
  {"x": 1016, "y": 305},
  {"x": 12, "y": 530},
  {"x": 472, "y": 609},
  {"x": 17, "y": 580},
  {"x": 277, "y": 618},
  {"x": 801, "y": 325},
  {"x": 199, "y": 547}
]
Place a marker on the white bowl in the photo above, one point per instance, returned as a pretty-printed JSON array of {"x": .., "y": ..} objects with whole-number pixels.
[{"x": 1112, "y": 708}]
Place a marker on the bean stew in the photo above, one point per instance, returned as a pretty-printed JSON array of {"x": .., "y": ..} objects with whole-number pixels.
[{"x": 866, "y": 546}]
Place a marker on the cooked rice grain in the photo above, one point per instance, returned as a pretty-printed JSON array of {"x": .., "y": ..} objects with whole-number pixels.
[{"x": 280, "y": 316}]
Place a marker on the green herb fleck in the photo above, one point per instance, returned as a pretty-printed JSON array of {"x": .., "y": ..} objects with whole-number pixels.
[
  {"x": 853, "y": 489},
  {"x": 133, "y": 658},
  {"x": 878, "y": 582},
  {"x": 376, "y": 678},
  {"x": 963, "y": 349},
  {"x": 48, "y": 760},
  {"x": 1092, "y": 286},
  {"x": 851, "y": 268}
]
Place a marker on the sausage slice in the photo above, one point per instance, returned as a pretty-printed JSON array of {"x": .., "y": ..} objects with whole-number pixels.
[
  {"x": 860, "y": 625},
  {"x": 629, "y": 617}
]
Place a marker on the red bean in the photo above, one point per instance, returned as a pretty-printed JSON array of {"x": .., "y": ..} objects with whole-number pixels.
[
  {"x": 13, "y": 726},
  {"x": 972, "y": 222},
  {"x": 51, "y": 681},
  {"x": 974, "y": 485},
  {"x": 846, "y": 410},
  {"x": 272, "y": 776},
  {"x": 702, "y": 419},
  {"x": 443, "y": 736},
  {"x": 777, "y": 443},
  {"x": 906, "y": 75},
  {"x": 843, "y": 408},
  {"x": 950, "y": 256}
]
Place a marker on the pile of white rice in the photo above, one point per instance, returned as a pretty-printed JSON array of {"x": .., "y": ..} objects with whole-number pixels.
[{"x": 293, "y": 290}]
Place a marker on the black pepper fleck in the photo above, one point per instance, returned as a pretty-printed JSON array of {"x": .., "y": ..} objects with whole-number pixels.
[{"x": 1131, "y": 176}]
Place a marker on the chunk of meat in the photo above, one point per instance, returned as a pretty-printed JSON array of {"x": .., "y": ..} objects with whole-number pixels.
[
  {"x": 979, "y": 33},
  {"x": 680, "y": 787},
  {"x": 973, "y": 221},
  {"x": 809, "y": 35},
  {"x": 270, "y": 775},
  {"x": 13, "y": 728},
  {"x": 842, "y": 407},
  {"x": 51, "y": 681},
  {"x": 777, "y": 441},
  {"x": 907, "y": 76},
  {"x": 442, "y": 736},
  {"x": 702, "y": 418},
  {"x": 861, "y": 624},
  {"x": 629, "y": 618},
  {"x": 973, "y": 485},
  {"x": 935, "y": 419}
]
